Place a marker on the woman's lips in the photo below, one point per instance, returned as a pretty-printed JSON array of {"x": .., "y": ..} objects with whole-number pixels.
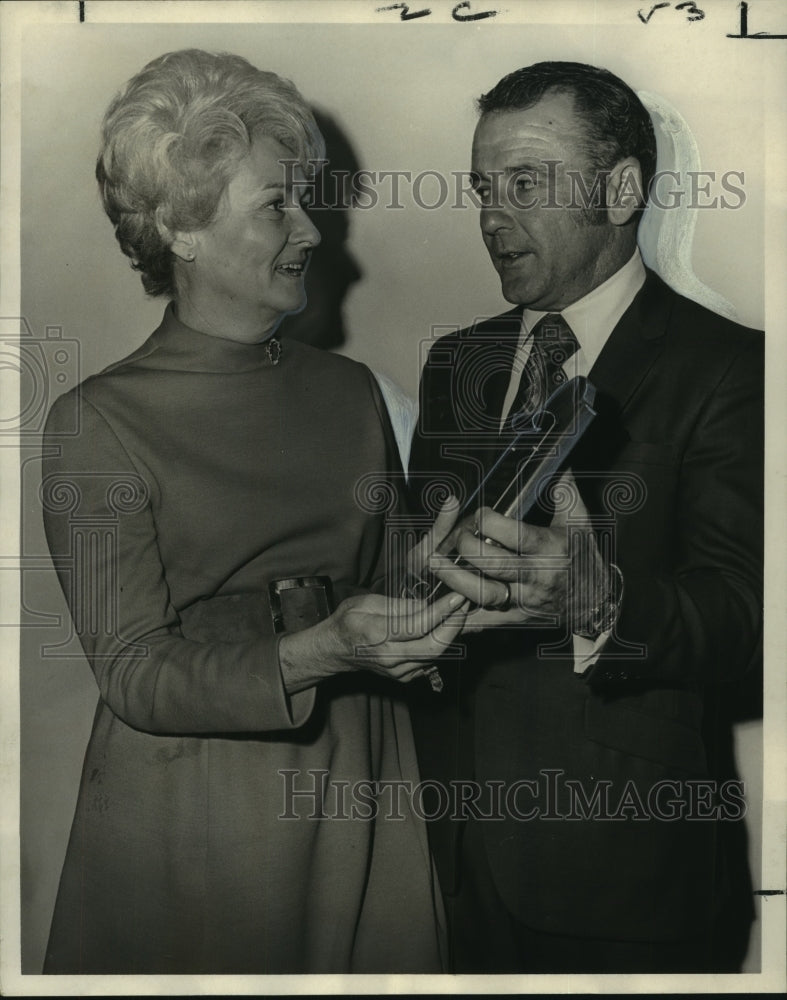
[{"x": 292, "y": 269}]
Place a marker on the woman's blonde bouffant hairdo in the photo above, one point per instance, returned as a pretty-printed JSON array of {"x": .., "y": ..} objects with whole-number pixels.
[{"x": 172, "y": 139}]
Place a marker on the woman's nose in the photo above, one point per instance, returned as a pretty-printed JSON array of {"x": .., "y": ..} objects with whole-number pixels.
[{"x": 303, "y": 229}]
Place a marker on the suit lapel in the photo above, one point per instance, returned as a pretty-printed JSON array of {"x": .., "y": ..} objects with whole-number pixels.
[
  {"x": 479, "y": 380},
  {"x": 493, "y": 346},
  {"x": 620, "y": 370},
  {"x": 634, "y": 344}
]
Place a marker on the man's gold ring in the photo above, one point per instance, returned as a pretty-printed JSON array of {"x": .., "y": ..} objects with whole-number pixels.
[{"x": 506, "y": 603}]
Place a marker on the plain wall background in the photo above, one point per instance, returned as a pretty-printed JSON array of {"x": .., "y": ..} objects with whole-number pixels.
[{"x": 404, "y": 96}]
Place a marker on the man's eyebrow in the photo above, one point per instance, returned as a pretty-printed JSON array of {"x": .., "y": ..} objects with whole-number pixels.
[
  {"x": 477, "y": 179},
  {"x": 524, "y": 168}
]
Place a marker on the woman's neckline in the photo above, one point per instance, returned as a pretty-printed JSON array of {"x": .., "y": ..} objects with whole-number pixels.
[{"x": 180, "y": 347}]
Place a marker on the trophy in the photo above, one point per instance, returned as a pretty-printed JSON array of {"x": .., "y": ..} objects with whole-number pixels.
[{"x": 533, "y": 455}]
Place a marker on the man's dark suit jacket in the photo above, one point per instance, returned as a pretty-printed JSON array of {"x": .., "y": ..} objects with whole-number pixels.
[{"x": 676, "y": 454}]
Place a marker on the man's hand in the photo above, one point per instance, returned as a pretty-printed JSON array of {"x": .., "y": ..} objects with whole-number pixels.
[
  {"x": 525, "y": 573},
  {"x": 523, "y": 570},
  {"x": 440, "y": 538}
]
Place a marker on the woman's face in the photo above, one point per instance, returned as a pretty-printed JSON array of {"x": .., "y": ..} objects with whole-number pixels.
[{"x": 249, "y": 263}]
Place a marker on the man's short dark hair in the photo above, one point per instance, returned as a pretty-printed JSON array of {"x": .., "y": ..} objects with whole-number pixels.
[{"x": 617, "y": 123}]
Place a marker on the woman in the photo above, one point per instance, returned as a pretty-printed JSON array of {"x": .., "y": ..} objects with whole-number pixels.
[{"x": 209, "y": 464}]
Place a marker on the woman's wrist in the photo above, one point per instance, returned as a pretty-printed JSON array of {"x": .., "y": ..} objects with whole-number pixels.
[{"x": 310, "y": 656}]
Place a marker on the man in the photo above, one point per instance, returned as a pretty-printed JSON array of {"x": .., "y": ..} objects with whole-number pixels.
[{"x": 580, "y": 833}]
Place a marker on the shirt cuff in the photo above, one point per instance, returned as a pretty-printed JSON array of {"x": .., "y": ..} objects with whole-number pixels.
[{"x": 587, "y": 651}]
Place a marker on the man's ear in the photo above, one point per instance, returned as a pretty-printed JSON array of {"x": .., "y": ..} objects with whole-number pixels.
[
  {"x": 624, "y": 191},
  {"x": 183, "y": 245}
]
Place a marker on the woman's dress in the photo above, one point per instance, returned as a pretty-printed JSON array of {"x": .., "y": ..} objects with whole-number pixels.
[{"x": 223, "y": 825}]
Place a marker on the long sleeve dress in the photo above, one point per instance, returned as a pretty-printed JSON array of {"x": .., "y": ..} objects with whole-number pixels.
[{"x": 177, "y": 484}]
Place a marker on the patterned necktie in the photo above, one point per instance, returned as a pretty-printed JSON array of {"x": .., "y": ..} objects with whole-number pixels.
[{"x": 553, "y": 344}]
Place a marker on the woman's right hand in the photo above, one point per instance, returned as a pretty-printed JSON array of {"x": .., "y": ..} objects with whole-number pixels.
[{"x": 393, "y": 637}]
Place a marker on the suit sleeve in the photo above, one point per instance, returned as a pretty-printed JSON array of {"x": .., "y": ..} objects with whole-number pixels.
[
  {"x": 391, "y": 487},
  {"x": 102, "y": 536},
  {"x": 431, "y": 474},
  {"x": 702, "y": 621}
]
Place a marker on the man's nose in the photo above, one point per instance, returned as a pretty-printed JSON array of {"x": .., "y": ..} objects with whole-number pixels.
[{"x": 493, "y": 219}]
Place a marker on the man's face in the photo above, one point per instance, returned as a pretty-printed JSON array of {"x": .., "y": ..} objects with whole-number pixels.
[{"x": 547, "y": 256}]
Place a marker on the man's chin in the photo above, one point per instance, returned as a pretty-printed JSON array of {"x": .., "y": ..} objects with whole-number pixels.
[{"x": 516, "y": 293}]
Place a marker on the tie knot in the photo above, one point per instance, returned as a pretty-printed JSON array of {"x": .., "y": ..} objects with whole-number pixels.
[{"x": 553, "y": 336}]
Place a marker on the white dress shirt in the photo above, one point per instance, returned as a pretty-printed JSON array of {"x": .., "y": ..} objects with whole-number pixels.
[{"x": 592, "y": 319}]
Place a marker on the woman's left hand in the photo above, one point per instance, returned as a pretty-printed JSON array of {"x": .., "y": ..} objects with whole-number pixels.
[{"x": 393, "y": 637}]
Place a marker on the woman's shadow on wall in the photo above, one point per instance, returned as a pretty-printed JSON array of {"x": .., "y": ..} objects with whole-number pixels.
[{"x": 333, "y": 269}]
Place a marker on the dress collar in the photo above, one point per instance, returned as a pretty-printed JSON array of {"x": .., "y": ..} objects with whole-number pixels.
[{"x": 178, "y": 347}]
